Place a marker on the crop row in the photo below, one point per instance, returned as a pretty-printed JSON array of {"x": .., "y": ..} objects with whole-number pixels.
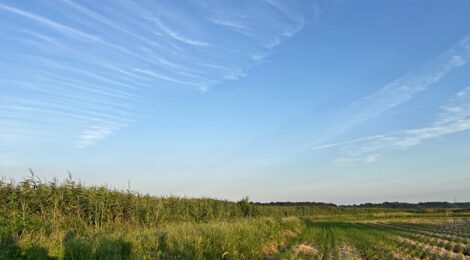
[
  {"x": 430, "y": 240},
  {"x": 454, "y": 237}
]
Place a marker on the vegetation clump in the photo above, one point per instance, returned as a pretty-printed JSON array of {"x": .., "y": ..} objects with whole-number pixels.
[{"x": 68, "y": 220}]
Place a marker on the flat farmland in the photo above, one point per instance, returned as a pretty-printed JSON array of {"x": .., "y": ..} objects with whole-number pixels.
[
  {"x": 416, "y": 238},
  {"x": 68, "y": 220},
  {"x": 254, "y": 238}
]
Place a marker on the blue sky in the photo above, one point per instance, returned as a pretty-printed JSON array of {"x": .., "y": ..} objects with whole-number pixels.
[{"x": 335, "y": 101}]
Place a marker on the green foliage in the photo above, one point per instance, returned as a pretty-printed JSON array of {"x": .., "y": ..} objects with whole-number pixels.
[
  {"x": 8, "y": 248},
  {"x": 68, "y": 220},
  {"x": 243, "y": 239},
  {"x": 76, "y": 206},
  {"x": 245, "y": 207},
  {"x": 101, "y": 247}
]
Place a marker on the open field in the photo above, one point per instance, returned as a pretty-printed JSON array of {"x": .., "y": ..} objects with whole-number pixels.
[
  {"x": 258, "y": 238},
  {"x": 234, "y": 129},
  {"x": 67, "y": 220}
]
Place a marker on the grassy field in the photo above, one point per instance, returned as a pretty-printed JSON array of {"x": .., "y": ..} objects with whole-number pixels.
[{"x": 67, "y": 220}]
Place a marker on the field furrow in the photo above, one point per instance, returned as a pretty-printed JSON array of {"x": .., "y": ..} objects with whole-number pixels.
[{"x": 348, "y": 252}]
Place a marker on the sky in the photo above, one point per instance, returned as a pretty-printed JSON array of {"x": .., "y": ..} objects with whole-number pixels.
[{"x": 333, "y": 101}]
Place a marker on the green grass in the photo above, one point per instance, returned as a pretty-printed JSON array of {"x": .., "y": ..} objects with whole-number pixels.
[
  {"x": 68, "y": 220},
  {"x": 247, "y": 238},
  {"x": 240, "y": 239}
]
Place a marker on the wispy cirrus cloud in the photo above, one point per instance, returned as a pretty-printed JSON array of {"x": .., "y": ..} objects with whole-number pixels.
[
  {"x": 404, "y": 88},
  {"x": 235, "y": 24},
  {"x": 51, "y": 24},
  {"x": 82, "y": 66},
  {"x": 453, "y": 117},
  {"x": 176, "y": 35},
  {"x": 393, "y": 95},
  {"x": 93, "y": 134}
]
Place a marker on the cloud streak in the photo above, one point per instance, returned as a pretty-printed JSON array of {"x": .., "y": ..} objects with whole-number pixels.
[
  {"x": 453, "y": 117},
  {"x": 82, "y": 67},
  {"x": 92, "y": 135},
  {"x": 176, "y": 35},
  {"x": 396, "y": 93},
  {"x": 404, "y": 88},
  {"x": 51, "y": 24}
]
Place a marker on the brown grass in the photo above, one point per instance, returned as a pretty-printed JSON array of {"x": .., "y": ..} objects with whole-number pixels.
[{"x": 305, "y": 249}]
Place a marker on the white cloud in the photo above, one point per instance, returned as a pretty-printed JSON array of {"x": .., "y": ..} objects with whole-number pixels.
[
  {"x": 90, "y": 64},
  {"x": 235, "y": 25},
  {"x": 453, "y": 117},
  {"x": 92, "y": 135},
  {"x": 359, "y": 140},
  {"x": 175, "y": 34},
  {"x": 398, "y": 91},
  {"x": 159, "y": 76},
  {"x": 404, "y": 88},
  {"x": 51, "y": 24}
]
